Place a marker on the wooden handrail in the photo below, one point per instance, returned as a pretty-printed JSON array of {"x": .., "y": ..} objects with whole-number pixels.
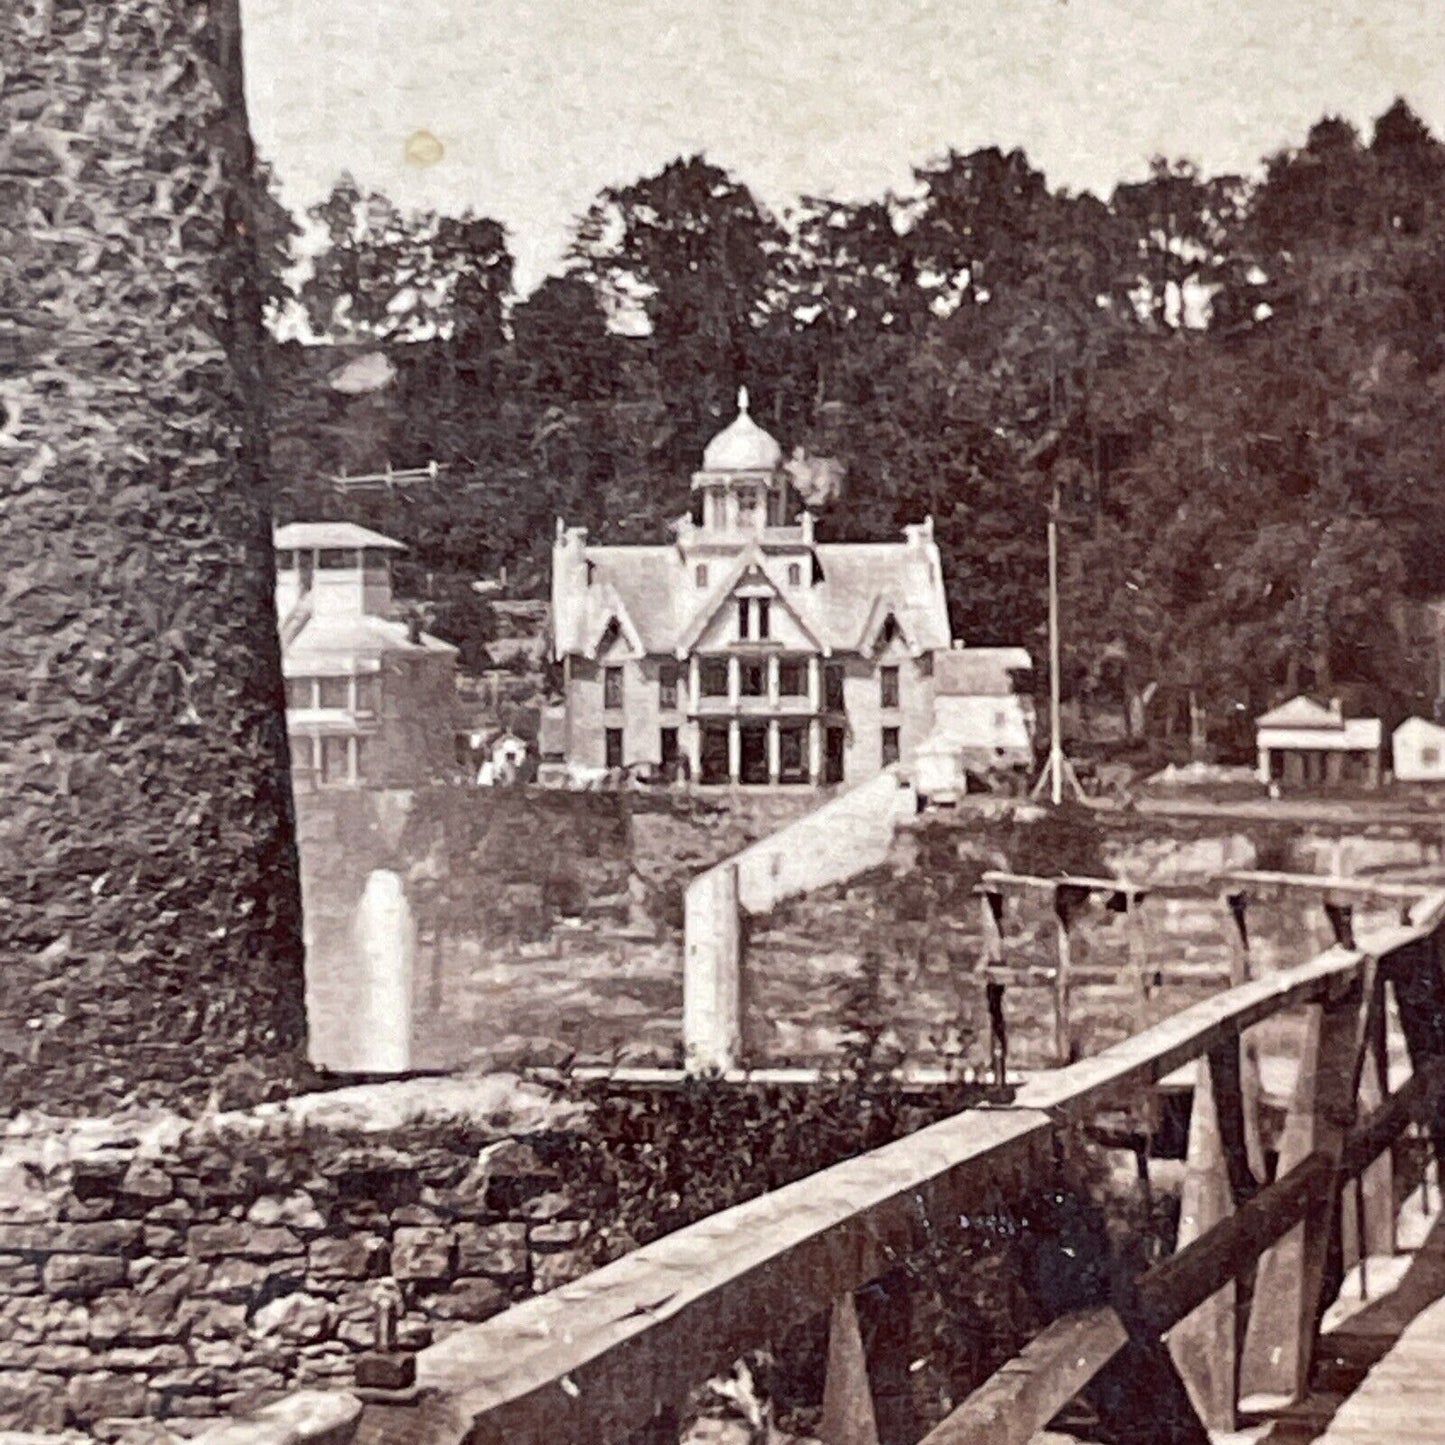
[
  {"x": 595, "y": 1360},
  {"x": 1327, "y": 883}
]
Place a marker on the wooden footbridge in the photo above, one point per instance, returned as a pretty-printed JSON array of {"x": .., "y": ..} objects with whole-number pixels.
[{"x": 1304, "y": 1297}]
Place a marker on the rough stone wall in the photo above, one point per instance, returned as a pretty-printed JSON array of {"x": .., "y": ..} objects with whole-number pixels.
[
  {"x": 149, "y": 916},
  {"x": 215, "y": 1269}
]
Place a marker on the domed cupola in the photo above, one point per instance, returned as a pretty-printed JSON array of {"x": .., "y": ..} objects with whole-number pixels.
[
  {"x": 741, "y": 481},
  {"x": 742, "y": 445}
]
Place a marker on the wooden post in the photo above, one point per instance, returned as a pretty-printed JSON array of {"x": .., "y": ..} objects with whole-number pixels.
[
  {"x": 867, "y": 1397},
  {"x": 998, "y": 1034},
  {"x": 712, "y": 998},
  {"x": 991, "y": 913},
  {"x": 1236, "y": 910},
  {"x": 1139, "y": 971},
  {"x": 1367, "y": 1216},
  {"x": 885, "y": 1315},
  {"x": 1063, "y": 1045},
  {"x": 1069, "y": 900},
  {"x": 848, "y": 1415},
  {"x": 1204, "y": 1344},
  {"x": 1280, "y": 1338},
  {"x": 991, "y": 908},
  {"x": 1378, "y": 1181}
]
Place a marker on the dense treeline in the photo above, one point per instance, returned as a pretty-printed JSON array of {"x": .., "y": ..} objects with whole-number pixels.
[{"x": 1237, "y": 384}]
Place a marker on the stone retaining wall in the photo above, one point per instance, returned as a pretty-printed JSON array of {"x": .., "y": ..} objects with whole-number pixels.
[{"x": 207, "y": 1269}]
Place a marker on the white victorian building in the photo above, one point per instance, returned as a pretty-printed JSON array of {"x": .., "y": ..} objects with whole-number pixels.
[{"x": 745, "y": 651}]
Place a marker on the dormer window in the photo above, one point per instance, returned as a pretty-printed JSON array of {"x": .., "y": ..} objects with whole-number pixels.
[
  {"x": 744, "y": 618},
  {"x": 764, "y": 618}
]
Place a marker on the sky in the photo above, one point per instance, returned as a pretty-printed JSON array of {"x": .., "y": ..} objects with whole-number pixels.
[{"x": 524, "y": 109}]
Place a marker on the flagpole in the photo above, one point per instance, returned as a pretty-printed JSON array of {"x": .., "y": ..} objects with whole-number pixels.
[{"x": 1056, "y": 738}]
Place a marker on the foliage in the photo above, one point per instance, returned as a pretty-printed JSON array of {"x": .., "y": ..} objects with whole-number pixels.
[{"x": 1234, "y": 383}]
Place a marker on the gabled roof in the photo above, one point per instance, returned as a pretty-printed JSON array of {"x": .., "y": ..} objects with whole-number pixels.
[
  {"x": 979, "y": 671},
  {"x": 1302, "y": 712},
  {"x": 657, "y": 587},
  {"x": 305, "y": 535},
  {"x": 1420, "y": 727},
  {"x": 749, "y": 564},
  {"x": 610, "y": 610},
  {"x": 885, "y": 607}
]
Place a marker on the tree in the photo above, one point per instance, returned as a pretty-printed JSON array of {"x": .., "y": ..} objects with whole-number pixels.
[
  {"x": 457, "y": 615},
  {"x": 383, "y": 276},
  {"x": 692, "y": 252},
  {"x": 561, "y": 343},
  {"x": 1185, "y": 233},
  {"x": 149, "y": 903}
]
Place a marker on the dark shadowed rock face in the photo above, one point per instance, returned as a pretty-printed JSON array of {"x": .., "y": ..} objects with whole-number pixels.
[{"x": 149, "y": 909}]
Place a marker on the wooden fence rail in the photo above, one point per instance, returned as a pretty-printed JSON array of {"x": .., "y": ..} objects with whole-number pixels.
[{"x": 612, "y": 1357}]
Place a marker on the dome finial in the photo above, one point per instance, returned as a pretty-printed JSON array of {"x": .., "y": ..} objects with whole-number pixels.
[{"x": 743, "y": 400}]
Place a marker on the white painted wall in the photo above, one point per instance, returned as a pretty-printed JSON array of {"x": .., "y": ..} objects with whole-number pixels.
[
  {"x": 1419, "y": 751},
  {"x": 989, "y": 723}
]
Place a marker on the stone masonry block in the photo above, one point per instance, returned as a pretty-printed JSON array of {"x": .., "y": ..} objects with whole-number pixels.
[
  {"x": 235, "y": 1240},
  {"x": 105, "y": 1396},
  {"x": 547, "y": 1206},
  {"x": 559, "y": 1234},
  {"x": 30, "y": 1400},
  {"x": 498, "y": 1250},
  {"x": 300, "y": 1318},
  {"x": 550, "y": 1271},
  {"x": 473, "y": 1300},
  {"x": 296, "y": 1211},
  {"x": 422, "y": 1254},
  {"x": 18, "y": 1276},
  {"x": 305, "y": 1417},
  {"x": 104, "y": 1236},
  {"x": 147, "y": 1182},
  {"x": 147, "y": 1359},
  {"x": 44, "y": 1355},
  {"x": 80, "y": 1276},
  {"x": 351, "y": 1257}
]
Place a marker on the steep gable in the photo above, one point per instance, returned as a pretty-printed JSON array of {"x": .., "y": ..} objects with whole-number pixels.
[
  {"x": 1301, "y": 712},
  {"x": 749, "y": 576}
]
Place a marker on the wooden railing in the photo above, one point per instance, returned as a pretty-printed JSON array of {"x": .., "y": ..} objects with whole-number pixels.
[{"x": 612, "y": 1357}]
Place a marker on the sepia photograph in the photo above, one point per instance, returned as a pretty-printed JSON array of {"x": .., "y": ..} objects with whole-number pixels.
[{"x": 722, "y": 724}]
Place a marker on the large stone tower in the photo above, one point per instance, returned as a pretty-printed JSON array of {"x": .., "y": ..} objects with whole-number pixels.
[{"x": 149, "y": 904}]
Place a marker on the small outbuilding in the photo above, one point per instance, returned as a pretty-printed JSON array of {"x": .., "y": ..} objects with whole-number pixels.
[
  {"x": 1303, "y": 742},
  {"x": 983, "y": 720},
  {"x": 1418, "y": 751}
]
